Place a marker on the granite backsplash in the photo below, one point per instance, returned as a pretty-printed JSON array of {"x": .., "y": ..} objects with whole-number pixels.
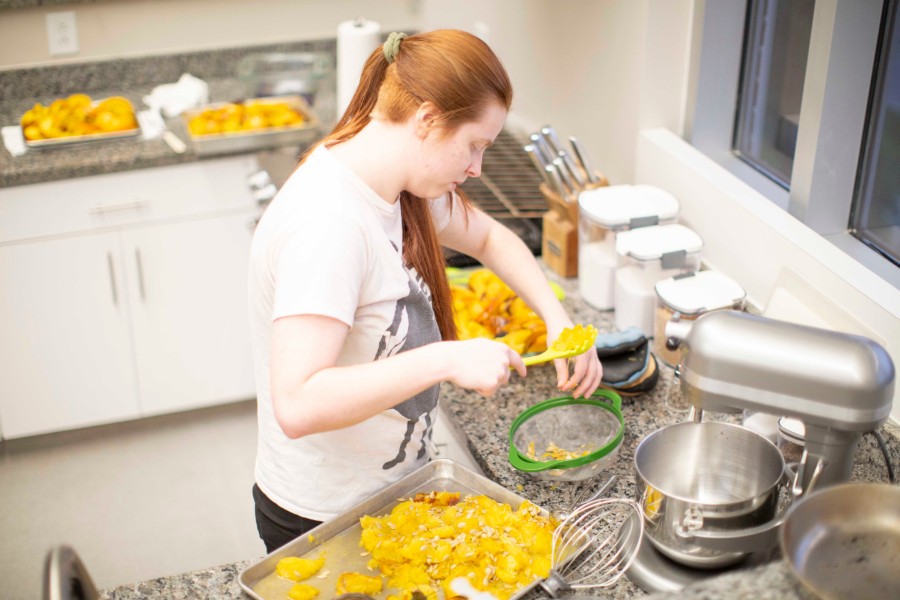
[{"x": 125, "y": 74}]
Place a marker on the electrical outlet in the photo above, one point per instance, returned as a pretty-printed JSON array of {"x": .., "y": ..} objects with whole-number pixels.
[{"x": 62, "y": 32}]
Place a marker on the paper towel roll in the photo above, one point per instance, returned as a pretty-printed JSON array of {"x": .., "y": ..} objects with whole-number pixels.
[{"x": 355, "y": 42}]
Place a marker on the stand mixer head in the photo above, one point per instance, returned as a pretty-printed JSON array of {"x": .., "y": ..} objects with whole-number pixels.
[{"x": 839, "y": 385}]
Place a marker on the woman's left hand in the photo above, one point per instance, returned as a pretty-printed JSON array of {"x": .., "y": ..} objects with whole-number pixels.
[{"x": 586, "y": 373}]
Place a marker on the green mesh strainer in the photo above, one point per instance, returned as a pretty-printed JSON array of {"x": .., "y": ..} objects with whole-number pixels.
[{"x": 567, "y": 438}]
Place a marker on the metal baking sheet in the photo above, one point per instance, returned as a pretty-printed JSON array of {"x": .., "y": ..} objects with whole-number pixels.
[
  {"x": 73, "y": 140},
  {"x": 81, "y": 139},
  {"x": 339, "y": 537},
  {"x": 243, "y": 141}
]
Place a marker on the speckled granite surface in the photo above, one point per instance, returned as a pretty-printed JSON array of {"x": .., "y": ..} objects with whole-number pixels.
[
  {"x": 485, "y": 422},
  {"x": 132, "y": 78},
  {"x": 217, "y": 582}
]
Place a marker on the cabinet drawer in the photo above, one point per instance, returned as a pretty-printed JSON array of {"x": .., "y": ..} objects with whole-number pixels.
[{"x": 122, "y": 199}]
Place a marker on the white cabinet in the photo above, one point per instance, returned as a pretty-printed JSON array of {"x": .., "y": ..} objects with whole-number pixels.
[
  {"x": 65, "y": 350},
  {"x": 190, "y": 320},
  {"x": 124, "y": 295}
]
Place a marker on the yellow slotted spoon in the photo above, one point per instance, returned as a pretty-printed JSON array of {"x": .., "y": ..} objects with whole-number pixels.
[{"x": 571, "y": 342}]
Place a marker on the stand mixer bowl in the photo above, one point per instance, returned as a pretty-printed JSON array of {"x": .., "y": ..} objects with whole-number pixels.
[{"x": 707, "y": 478}]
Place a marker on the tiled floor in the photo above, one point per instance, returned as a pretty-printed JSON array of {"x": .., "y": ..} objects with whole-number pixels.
[
  {"x": 136, "y": 501},
  {"x": 139, "y": 500}
]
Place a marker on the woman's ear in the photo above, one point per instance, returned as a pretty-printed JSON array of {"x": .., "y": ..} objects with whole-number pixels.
[{"x": 426, "y": 118}]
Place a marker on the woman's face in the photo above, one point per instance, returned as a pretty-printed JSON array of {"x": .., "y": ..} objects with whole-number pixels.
[{"x": 449, "y": 158}]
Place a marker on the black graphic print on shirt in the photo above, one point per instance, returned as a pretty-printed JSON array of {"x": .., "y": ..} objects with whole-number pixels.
[{"x": 413, "y": 326}]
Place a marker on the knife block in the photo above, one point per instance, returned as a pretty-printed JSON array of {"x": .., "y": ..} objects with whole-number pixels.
[{"x": 559, "y": 244}]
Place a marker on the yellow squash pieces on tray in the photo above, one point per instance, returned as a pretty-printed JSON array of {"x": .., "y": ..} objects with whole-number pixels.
[
  {"x": 428, "y": 541},
  {"x": 78, "y": 115},
  {"x": 484, "y": 306},
  {"x": 249, "y": 116}
]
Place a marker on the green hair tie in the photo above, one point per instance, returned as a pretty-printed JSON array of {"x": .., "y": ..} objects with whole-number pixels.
[{"x": 392, "y": 46}]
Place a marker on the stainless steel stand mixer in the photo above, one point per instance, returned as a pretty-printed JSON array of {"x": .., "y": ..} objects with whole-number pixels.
[{"x": 709, "y": 490}]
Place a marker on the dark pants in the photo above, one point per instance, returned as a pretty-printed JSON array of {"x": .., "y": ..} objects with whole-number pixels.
[{"x": 277, "y": 526}]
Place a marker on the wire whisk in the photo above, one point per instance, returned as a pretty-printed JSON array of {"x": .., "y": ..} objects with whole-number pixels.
[{"x": 594, "y": 545}]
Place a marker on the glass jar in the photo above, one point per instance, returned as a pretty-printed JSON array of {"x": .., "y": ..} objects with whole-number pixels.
[{"x": 791, "y": 439}]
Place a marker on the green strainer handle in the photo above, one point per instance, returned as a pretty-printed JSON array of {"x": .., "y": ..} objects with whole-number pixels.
[{"x": 607, "y": 399}]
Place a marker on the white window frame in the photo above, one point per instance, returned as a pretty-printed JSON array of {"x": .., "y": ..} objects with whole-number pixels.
[{"x": 836, "y": 91}]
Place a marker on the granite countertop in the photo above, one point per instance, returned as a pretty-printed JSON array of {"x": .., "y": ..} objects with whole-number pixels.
[
  {"x": 485, "y": 423},
  {"x": 133, "y": 79},
  {"x": 96, "y": 158}
]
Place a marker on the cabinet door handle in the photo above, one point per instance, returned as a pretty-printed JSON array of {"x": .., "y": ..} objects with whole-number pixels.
[
  {"x": 130, "y": 205},
  {"x": 112, "y": 278},
  {"x": 140, "y": 273}
]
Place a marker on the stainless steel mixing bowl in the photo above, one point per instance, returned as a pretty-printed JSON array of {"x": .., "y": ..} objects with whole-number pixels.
[{"x": 710, "y": 478}]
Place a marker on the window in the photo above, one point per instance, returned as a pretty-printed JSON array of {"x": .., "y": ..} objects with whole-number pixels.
[
  {"x": 776, "y": 44},
  {"x": 876, "y": 210},
  {"x": 800, "y": 100}
]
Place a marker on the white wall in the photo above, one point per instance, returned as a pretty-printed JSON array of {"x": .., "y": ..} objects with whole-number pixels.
[
  {"x": 127, "y": 28},
  {"x": 616, "y": 73},
  {"x": 580, "y": 65},
  {"x": 577, "y": 65},
  {"x": 788, "y": 270}
]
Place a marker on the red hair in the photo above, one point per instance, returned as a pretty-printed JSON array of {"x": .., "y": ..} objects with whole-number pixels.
[{"x": 460, "y": 75}]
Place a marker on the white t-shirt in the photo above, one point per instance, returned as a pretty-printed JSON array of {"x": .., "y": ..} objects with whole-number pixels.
[{"x": 329, "y": 245}]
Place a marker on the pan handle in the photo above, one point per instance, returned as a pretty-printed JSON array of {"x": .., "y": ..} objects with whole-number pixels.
[{"x": 65, "y": 577}]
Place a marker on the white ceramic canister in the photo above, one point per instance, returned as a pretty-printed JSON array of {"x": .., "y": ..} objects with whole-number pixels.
[
  {"x": 687, "y": 296},
  {"x": 646, "y": 256},
  {"x": 604, "y": 212}
]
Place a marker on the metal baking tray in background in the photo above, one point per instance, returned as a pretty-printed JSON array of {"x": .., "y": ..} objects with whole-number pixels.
[
  {"x": 73, "y": 140},
  {"x": 338, "y": 538},
  {"x": 245, "y": 141}
]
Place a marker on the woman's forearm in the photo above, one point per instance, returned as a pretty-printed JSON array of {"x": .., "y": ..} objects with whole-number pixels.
[
  {"x": 339, "y": 397},
  {"x": 335, "y": 397},
  {"x": 508, "y": 256}
]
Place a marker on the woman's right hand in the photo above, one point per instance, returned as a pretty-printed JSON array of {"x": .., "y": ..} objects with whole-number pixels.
[{"x": 482, "y": 365}]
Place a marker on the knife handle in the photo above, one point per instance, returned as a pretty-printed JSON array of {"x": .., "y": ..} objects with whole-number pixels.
[
  {"x": 553, "y": 142},
  {"x": 574, "y": 171},
  {"x": 557, "y": 184},
  {"x": 585, "y": 162},
  {"x": 533, "y": 155},
  {"x": 543, "y": 151},
  {"x": 566, "y": 177}
]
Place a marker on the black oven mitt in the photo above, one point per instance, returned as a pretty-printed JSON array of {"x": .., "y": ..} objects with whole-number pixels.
[{"x": 629, "y": 367}]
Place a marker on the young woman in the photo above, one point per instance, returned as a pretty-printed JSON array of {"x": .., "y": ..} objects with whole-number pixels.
[{"x": 350, "y": 306}]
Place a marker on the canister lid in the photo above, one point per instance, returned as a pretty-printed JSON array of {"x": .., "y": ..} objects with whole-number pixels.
[
  {"x": 792, "y": 429},
  {"x": 651, "y": 243},
  {"x": 618, "y": 206},
  {"x": 693, "y": 293}
]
